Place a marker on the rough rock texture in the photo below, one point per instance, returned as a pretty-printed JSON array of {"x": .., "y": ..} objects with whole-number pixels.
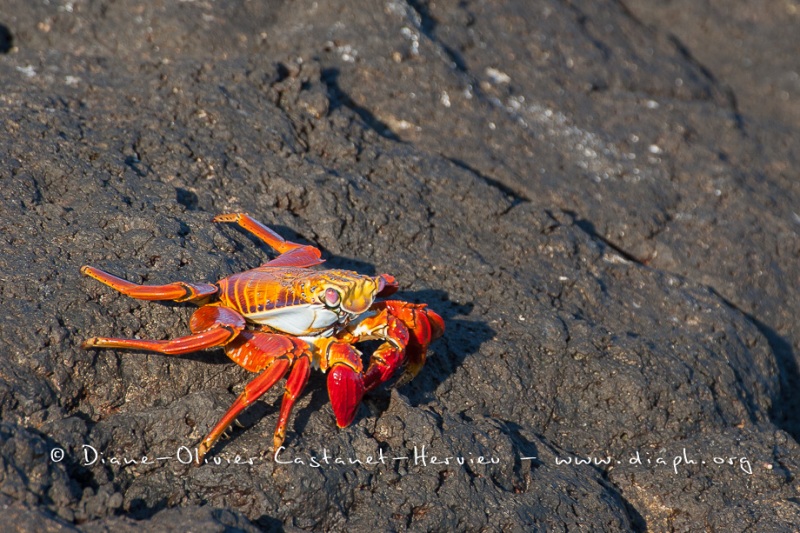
[{"x": 596, "y": 196}]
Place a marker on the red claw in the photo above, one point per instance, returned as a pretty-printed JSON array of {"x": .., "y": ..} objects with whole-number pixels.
[
  {"x": 386, "y": 360},
  {"x": 436, "y": 324},
  {"x": 345, "y": 388},
  {"x": 424, "y": 326}
]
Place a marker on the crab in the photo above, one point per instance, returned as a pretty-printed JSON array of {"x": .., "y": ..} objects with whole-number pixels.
[{"x": 284, "y": 317}]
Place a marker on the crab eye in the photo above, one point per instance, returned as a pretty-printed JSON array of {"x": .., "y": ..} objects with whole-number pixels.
[{"x": 332, "y": 297}]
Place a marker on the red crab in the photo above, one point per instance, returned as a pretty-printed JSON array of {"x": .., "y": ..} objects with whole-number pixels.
[{"x": 284, "y": 317}]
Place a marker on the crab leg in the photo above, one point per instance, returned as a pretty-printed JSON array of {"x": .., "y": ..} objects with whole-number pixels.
[
  {"x": 179, "y": 291},
  {"x": 258, "y": 229},
  {"x": 295, "y": 384},
  {"x": 292, "y": 254},
  {"x": 191, "y": 343},
  {"x": 252, "y": 391},
  {"x": 275, "y": 355},
  {"x": 211, "y": 325}
]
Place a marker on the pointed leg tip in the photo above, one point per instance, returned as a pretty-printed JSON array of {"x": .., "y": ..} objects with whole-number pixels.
[
  {"x": 88, "y": 344},
  {"x": 409, "y": 374},
  {"x": 91, "y": 272},
  {"x": 202, "y": 450},
  {"x": 226, "y": 217}
]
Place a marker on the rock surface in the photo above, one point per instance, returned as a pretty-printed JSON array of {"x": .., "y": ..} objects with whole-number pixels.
[{"x": 600, "y": 198}]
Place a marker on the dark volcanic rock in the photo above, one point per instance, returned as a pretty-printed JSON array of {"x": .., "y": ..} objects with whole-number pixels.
[{"x": 608, "y": 234}]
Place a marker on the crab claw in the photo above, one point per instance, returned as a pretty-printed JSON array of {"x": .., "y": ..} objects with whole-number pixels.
[
  {"x": 436, "y": 324},
  {"x": 345, "y": 388},
  {"x": 424, "y": 326}
]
